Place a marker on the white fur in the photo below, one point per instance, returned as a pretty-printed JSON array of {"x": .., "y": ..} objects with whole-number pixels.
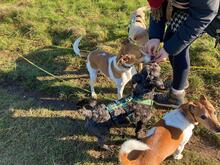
[
  {"x": 120, "y": 82},
  {"x": 93, "y": 76},
  {"x": 132, "y": 144},
  {"x": 120, "y": 69},
  {"x": 147, "y": 57},
  {"x": 76, "y": 46},
  {"x": 178, "y": 120},
  {"x": 133, "y": 27}
]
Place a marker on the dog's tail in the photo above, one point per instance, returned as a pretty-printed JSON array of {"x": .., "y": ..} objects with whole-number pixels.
[
  {"x": 76, "y": 49},
  {"x": 134, "y": 146}
]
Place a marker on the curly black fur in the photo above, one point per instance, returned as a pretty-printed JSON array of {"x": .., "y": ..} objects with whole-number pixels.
[{"x": 99, "y": 121}]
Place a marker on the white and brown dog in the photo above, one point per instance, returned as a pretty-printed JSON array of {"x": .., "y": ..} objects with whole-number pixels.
[
  {"x": 137, "y": 30},
  {"x": 170, "y": 134},
  {"x": 119, "y": 69}
]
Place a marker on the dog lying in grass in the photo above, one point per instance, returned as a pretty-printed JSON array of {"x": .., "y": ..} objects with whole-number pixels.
[
  {"x": 136, "y": 108},
  {"x": 170, "y": 134}
]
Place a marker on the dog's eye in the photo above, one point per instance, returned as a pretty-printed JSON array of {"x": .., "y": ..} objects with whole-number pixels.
[
  {"x": 203, "y": 117},
  {"x": 215, "y": 113}
]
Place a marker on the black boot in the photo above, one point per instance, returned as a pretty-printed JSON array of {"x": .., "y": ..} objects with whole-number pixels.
[{"x": 169, "y": 99}]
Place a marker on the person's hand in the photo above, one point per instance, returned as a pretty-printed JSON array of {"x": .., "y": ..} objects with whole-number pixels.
[
  {"x": 161, "y": 55},
  {"x": 152, "y": 46}
]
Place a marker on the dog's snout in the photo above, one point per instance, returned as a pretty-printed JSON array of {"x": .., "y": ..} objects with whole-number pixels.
[
  {"x": 147, "y": 58},
  {"x": 218, "y": 130}
]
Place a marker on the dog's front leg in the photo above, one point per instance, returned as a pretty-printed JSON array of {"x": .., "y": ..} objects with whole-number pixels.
[
  {"x": 92, "y": 75},
  {"x": 120, "y": 89},
  {"x": 178, "y": 153}
]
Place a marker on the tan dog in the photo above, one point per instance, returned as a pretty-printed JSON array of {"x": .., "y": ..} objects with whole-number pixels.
[
  {"x": 119, "y": 69},
  {"x": 138, "y": 33},
  {"x": 170, "y": 134}
]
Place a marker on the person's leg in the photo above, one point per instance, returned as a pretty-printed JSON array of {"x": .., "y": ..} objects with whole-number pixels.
[
  {"x": 181, "y": 67},
  {"x": 175, "y": 64},
  {"x": 175, "y": 96},
  {"x": 168, "y": 35}
]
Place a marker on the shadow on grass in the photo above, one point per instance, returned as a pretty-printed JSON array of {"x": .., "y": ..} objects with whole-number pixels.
[
  {"x": 46, "y": 140},
  {"x": 39, "y": 139},
  {"x": 59, "y": 61}
]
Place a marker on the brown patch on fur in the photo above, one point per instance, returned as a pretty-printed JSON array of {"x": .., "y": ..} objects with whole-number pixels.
[
  {"x": 166, "y": 139},
  {"x": 162, "y": 143},
  {"x": 128, "y": 48},
  {"x": 187, "y": 110},
  {"x": 101, "y": 63},
  {"x": 134, "y": 154}
]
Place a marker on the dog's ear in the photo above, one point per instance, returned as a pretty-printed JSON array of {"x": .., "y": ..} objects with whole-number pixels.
[
  {"x": 124, "y": 58},
  {"x": 189, "y": 110},
  {"x": 138, "y": 37}
]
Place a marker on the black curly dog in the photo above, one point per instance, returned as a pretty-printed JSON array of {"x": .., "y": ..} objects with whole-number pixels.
[{"x": 136, "y": 108}]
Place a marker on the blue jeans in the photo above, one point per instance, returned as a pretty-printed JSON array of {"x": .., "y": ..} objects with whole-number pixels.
[{"x": 180, "y": 64}]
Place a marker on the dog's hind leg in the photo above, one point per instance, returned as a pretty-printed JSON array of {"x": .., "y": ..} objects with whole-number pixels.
[{"x": 92, "y": 75}]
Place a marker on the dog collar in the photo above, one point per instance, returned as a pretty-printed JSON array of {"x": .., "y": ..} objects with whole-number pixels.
[
  {"x": 120, "y": 69},
  {"x": 144, "y": 101},
  {"x": 128, "y": 66}
]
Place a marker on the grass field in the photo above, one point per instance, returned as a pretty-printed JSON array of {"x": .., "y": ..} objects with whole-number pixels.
[{"x": 40, "y": 123}]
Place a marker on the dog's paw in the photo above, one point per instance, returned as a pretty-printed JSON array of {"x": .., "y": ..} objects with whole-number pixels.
[
  {"x": 108, "y": 148},
  {"x": 178, "y": 157},
  {"x": 94, "y": 96}
]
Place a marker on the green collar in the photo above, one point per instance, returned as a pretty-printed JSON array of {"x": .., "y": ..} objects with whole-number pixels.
[{"x": 144, "y": 101}]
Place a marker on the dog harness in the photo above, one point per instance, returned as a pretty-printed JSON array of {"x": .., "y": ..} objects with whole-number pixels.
[{"x": 123, "y": 105}]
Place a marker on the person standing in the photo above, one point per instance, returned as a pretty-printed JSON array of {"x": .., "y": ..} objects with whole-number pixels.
[{"x": 186, "y": 20}]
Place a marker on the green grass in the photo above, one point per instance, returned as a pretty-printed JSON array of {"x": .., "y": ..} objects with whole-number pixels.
[{"x": 39, "y": 119}]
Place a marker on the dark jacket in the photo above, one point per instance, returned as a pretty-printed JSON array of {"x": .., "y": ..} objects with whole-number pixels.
[
  {"x": 204, "y": 16},
  {"x": 213, "y": 28}
]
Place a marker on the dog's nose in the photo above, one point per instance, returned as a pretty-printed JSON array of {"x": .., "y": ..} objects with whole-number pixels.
[{"x": 218, "y": 130}]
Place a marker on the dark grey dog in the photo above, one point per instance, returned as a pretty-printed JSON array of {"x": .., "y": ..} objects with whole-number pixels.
[{"x": 135, "y": 109}]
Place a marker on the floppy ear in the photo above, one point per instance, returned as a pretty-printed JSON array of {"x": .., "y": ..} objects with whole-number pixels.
[
  {"x": 138, "y": 36},
  {"x": 189, "y": 110},
  {"x": 203, "y": 98}
]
